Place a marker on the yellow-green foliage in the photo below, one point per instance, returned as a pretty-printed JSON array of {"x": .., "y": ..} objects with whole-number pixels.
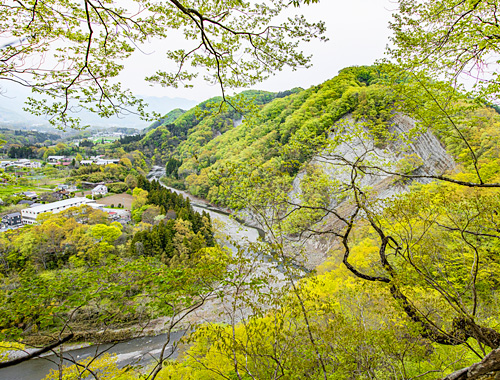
[
  {"x": 103, "y": 367},
  {"x": 287, "y": 131},
  {"x": 130, "y": 163},
  {"x": 55, "y": 240},
  {"x": 6, "y": 349},
  {"x": 481, "y": 129},
  {"x": 359, "y": 333},
  {"x": 284, "y": 133},
  {"x": 447, "y": 266}
]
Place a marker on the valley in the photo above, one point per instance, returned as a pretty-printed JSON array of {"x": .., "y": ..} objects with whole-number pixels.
[{"x": 348, "y": 230}]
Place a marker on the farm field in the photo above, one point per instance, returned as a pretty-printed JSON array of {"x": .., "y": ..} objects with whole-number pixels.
[
  {"x": 124, "y": 198},
  {"x": 6, "y": 190}
]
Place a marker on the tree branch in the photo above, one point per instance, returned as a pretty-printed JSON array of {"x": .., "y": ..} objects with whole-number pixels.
[{"x": 37, "y": 353}]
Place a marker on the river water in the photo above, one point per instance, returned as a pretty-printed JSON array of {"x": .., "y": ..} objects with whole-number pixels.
[{"x": 140, "y": 351}]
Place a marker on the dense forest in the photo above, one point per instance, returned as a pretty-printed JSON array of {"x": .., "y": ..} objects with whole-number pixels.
[
  {"x": 67, "y": 256},
  {"x": 22, "y": 137},
  {"x": 163, "y": 239},
  {"x": 196, "y": 126},
  {"x": 413, "y": 272},
  {"x": 25, "y": 144}
]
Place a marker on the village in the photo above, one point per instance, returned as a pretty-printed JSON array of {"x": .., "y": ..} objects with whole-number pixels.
[
  {"x": 66, "y": 193},
  {"x": 53, "y": 197},
  {"x": 56, "y": 160}
]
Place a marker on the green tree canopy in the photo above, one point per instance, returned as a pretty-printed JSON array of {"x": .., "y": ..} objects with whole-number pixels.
[
  {"x": 70, "y": 51},
  {"x": 459, "y": 39},
  {"x": 108, "y": 234}
]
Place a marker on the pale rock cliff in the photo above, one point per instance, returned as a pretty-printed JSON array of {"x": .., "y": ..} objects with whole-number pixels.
[{"x": 427, "y": 154}]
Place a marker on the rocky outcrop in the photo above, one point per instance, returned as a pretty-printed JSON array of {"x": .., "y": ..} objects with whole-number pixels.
[
  {"x": 408, "y": 150},
  {"x": 427, "y": 146}
]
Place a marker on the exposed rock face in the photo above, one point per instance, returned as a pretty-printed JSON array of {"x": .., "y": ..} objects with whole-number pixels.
[
  {"x": 434, "y": 156},
  {"x": 237, "y": 122},
  {"x": 421, "y": 154}
]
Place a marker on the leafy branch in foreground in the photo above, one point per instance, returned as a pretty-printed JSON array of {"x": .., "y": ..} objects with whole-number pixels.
[{"x": 70, "y": 53}]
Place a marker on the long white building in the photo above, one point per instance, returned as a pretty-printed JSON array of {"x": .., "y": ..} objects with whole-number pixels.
[{"x": 29, "y": 215}]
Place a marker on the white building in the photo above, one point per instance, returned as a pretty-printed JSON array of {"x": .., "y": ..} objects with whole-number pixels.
[
  {"x": 69, "y": 188},
  {"x": 103, "y": 161},
  {"x": 29, "y": 215},
  {"x": 34, "y": 165},
  {"x": 100, "y": 189},
  {"x": 22, "y": 163},
  {"x": 99, "y": 161},
  {"x": 55, "y": 158}
]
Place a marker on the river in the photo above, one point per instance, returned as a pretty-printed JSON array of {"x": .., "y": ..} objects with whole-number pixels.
[
  {"x": 235, "y": 228},
  {"x": 141, "y": 351}
]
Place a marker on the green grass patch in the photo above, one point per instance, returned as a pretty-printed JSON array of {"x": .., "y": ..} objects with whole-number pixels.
[{"x": 6, "y": 190}]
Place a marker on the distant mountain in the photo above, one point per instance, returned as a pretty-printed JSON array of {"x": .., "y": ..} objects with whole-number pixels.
[
  {"x": 161, "y": 105},
  {"x": 27, "y": 137},
  {"x": 10, "y": 116},
  {"x": 164, "y": 104},
  {"x": 13, "y": 115}
]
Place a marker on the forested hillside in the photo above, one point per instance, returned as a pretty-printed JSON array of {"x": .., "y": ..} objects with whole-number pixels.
[
  {"x": 390, "y": 207},
  {"x": 286, "y": 133},
  {"x": 20, "y": 138},
  {"x": 398, "y": 190},
  {"x": 180, "y": 130},
  {"x": 267, "y": 135},
  {"x": 390, "y": 200}
]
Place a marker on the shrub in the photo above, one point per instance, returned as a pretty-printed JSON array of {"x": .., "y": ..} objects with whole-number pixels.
[{"x": 117, "y": 187}]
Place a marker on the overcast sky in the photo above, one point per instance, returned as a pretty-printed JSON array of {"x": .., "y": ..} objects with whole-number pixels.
[{"x": 358, "y": 33}]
